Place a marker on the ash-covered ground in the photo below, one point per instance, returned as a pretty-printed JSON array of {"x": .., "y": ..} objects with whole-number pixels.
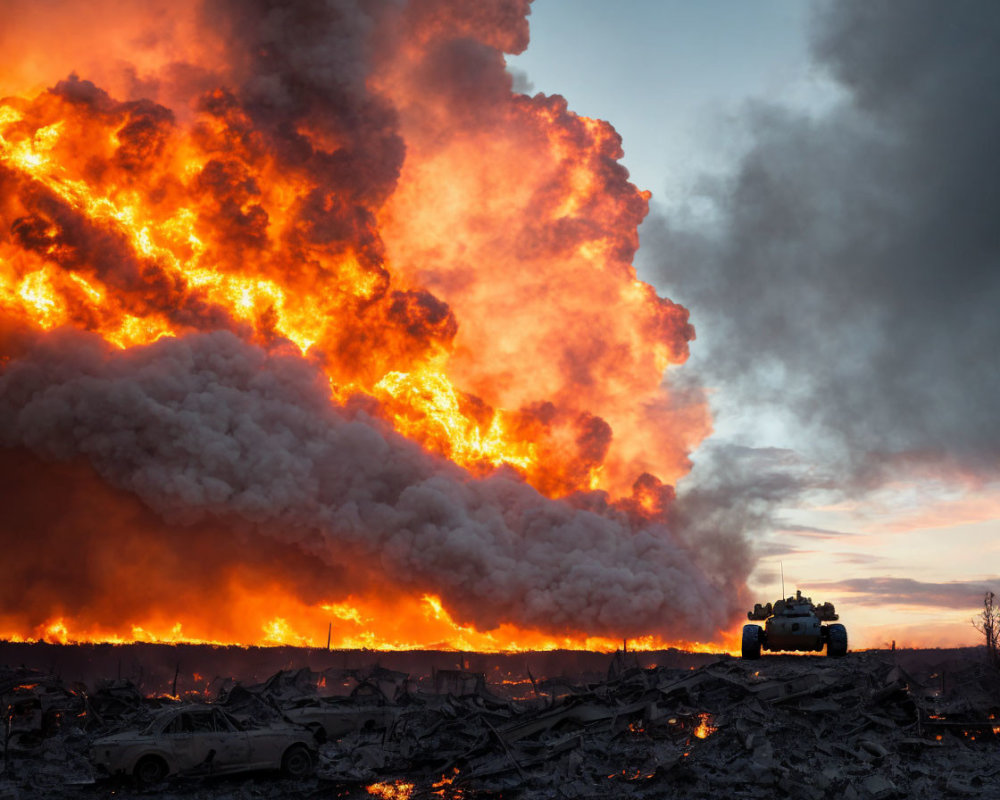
[{"x": 875, "y": 724}]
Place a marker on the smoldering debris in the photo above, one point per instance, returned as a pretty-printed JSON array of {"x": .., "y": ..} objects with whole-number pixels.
[{"x": 866, "y": 726}]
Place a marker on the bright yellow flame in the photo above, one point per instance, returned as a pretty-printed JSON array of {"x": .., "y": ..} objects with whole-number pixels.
[
  {"x": 278, "y": 631},
  {"x": 8, "y": 116},
  {"x": 391, "y": 791},
  {"x": 57, "y": 631},
  {"x": 37, "y": 292},
  {"x": 346, "y": 612},
  {"x": 705, "y": 727},
  {"x": 435, "y": 409}
]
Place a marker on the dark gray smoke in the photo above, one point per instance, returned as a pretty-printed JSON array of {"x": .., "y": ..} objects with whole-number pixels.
[
  {"x": 732, "y": 497},
  {"x": 208, "y": 427},
  {"x": 854, "y": 273},
  {"x": 303, "y": 66}
]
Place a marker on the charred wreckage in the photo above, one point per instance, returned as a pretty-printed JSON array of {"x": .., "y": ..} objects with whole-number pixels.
[{"x": 868, "y": 725}]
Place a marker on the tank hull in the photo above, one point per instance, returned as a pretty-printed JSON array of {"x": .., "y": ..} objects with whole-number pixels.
[{"x": 802, "y": 634}]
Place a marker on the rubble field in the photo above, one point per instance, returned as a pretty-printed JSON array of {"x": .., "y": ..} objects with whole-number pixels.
[{"x": 871, "y": 725}]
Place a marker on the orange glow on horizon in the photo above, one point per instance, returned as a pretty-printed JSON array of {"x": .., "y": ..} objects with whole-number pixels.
[{"x": 351, "y": 626}]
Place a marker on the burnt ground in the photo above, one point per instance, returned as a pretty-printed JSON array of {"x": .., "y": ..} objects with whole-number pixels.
[{"x": 875, "y": 724}]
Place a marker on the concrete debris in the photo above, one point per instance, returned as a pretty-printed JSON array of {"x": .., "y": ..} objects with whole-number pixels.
[{"x": 781, "y": 727}]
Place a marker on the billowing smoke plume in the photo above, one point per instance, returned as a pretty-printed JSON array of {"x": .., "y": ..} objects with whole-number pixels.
[
  {"x": 247, "y": 247},
  {"x": 853, "y": 275},
  {"x": 209, "y": 428}
]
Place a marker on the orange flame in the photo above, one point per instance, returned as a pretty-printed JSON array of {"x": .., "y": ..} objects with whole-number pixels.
[
  {"x": 705, "y": 727},
  {"x": 391, "y": 791},
  {"x": 387, "y": 626},
  {"x": 444, "y": 788}
]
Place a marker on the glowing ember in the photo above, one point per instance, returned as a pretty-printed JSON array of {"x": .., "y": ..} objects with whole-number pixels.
[
  {"x": 391, "y": 791},
  {"x": 444, "y": 787},
  {"x": 705, "y": 727}
]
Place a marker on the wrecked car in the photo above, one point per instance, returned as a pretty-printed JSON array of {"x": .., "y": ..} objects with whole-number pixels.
[
  {"x": 202, "y": 740},
  {"x": 330, "y": 721}
]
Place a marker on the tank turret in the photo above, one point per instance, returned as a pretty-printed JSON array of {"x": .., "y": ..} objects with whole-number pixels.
[{"x": 794, "y": 624}]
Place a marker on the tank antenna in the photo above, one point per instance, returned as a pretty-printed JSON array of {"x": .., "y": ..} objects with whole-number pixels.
[{"x": 782, "y": 565}]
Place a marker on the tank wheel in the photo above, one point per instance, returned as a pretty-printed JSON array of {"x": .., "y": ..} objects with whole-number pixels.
[
  {"x": 836, "y": 642},
  {"x": 150, "y": 770},
  {"x": 297, "y": 761},
  {"x": 751, "y": 641}
]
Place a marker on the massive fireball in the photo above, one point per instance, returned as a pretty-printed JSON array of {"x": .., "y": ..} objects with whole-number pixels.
[{"x": 310, "y": 324}]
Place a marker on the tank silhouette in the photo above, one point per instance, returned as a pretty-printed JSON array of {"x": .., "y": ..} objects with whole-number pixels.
[{"x": 794, "y": 624}]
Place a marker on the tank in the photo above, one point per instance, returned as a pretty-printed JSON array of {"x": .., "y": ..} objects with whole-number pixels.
[{"x": 794, "y": 624}]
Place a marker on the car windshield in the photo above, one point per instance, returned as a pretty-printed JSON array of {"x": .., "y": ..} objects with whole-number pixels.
[{"x": 152, "y": 727}]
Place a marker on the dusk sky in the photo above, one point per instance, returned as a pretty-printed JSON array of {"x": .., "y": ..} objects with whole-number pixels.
[{"x": 825, "y": 196}]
